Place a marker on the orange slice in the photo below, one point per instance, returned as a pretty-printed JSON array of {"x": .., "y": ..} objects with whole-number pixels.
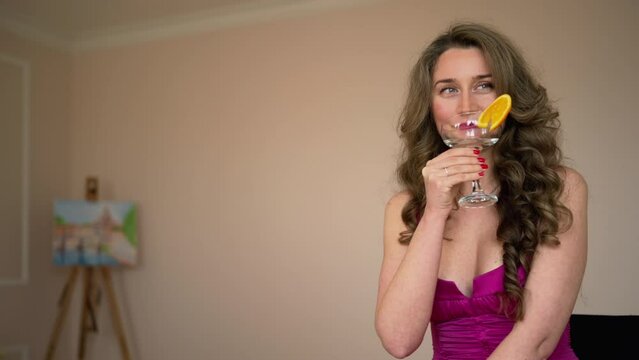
[{"x": 495, "y": 114}]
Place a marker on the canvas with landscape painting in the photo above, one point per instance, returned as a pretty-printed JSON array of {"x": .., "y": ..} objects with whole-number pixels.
[{"x": 95, "y": 233}]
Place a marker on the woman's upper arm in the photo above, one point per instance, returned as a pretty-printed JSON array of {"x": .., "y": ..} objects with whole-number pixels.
[
  {"x": 554, "y": 281},
  {"x": 393, "y": 251}
]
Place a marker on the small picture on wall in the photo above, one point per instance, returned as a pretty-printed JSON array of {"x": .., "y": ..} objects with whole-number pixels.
[{"x": 94, "y": 233}]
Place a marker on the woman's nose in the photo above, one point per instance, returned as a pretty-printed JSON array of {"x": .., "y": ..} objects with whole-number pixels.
[{"x": 468, "y": 103}]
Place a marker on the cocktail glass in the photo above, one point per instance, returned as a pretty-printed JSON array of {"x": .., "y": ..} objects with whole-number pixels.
[{"x": 461, "y": 130}]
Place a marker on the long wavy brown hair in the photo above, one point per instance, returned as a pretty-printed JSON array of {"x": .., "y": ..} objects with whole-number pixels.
[{"x": 527, "y": 160}]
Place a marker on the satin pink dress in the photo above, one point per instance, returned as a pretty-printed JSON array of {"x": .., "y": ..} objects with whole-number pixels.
[{"x": 470, "y": 328}]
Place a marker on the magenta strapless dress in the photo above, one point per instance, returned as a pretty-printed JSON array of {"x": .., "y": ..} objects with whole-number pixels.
[{"x": 470, "y": 328}]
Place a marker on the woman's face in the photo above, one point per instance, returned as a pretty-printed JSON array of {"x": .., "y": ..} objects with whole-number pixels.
[{"x": 462, "y": 82}]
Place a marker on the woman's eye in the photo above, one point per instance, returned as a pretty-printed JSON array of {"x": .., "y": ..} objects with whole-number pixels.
[
  {"x": 447, "y": 90},
  {"x": 485, "y": 86}
]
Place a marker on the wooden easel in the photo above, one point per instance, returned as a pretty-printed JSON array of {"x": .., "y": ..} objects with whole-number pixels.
[{"x": 90, "y": 298}]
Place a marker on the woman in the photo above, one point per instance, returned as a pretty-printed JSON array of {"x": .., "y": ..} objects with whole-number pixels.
[{"x": 498, "y": 282}]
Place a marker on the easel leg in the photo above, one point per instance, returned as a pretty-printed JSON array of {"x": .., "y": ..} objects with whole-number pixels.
[
  {"x": 115, "y": 311},
  {"x": 63, "y": 306},
  {"x": 86, "y": 308}
]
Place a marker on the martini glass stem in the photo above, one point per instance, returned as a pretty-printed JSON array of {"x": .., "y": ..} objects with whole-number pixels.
[{"x": 476, "y": 187}]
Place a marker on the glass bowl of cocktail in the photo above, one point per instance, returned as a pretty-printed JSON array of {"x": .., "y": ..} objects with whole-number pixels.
[{"x": 478, "y": 130}]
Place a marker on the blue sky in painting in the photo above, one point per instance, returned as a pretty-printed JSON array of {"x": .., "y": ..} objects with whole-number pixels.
[{"x": 82, "y": 212}]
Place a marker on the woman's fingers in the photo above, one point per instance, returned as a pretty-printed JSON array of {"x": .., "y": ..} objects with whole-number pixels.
[
  {"x": 457, "y": 152},
  {"x": 451, "y": 171},
  {"x": 447, "y": 171},
  {"x": 453, "y": 162}
]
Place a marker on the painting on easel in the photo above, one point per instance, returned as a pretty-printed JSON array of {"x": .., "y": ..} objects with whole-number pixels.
[{"x": 95, "y": 233}]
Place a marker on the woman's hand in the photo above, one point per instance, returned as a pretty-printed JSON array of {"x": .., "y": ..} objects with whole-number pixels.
[{"x": 444, "y": 173}]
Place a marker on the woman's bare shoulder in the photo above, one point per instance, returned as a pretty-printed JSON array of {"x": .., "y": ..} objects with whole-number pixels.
[
  {"x": 393, "y": 223},
  {"x": 574, "y": 182},
  {"x": 397, "y": 202}
]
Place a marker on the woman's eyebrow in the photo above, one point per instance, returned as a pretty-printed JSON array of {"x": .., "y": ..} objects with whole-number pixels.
[
  {"x": 452, "y": 80},
  {"x": 479, "y": 77},
  {"x": 444, "y": 81}
]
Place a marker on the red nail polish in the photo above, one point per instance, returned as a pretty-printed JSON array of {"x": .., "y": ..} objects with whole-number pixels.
[
  {"x": 484, "y": 166},
  {"x": 481, "y": 173},
  {"x": 481, "y": 159},
  {"x": 475, "y": 151}
]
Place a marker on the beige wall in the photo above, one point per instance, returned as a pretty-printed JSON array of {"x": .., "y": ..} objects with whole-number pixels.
[
  {"x": 13, "y": 76},
  {"x": 261, "y": 157},
  {"x": 27, "y": 311}
]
